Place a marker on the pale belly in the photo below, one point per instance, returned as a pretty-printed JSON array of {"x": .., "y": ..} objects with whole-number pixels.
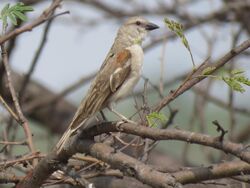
[{"x": 126, "y": 88}]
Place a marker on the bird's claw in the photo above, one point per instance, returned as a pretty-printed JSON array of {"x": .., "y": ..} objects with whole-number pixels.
[{"x": 126, "y": 120}]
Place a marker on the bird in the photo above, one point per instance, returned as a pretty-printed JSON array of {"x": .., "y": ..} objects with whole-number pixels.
[{"x": 116, "y": 77}]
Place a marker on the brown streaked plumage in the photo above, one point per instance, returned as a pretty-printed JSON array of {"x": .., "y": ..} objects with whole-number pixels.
[{"x": 117, "y": 76}]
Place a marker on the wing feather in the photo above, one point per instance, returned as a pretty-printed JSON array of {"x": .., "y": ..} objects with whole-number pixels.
[{"x": 106, "y": 82}]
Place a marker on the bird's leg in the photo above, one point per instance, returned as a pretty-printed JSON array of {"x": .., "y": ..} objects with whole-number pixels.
[{"x": 110, "y": 107}]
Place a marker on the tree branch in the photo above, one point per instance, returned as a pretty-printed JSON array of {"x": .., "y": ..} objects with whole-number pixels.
[
  {"x": 197, "y": 75},
  {"x": 237, "y": 150},
  {"x": 46, "y": 15}
]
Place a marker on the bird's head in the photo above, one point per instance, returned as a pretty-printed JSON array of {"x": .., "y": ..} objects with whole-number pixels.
[{"x": 136, "y": 29}]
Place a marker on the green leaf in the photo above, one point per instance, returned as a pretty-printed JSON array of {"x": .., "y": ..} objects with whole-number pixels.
[
  {"x": 12, "y": 19},
  {"x": 237, "y": 71},
  {"x": 27, "y": 9},
  {"x": 236, "y": 79},
  {"x": 20, "y": 15},
  {"x": 153, "y": 117},
  {"x": 208, "y": 70},
  {"x": 185, "y": 42},
  {"x": 5, "y": 23},
  {"x": 14, "y": 13},
  {"x": 242, "y": 79},
  {"x": 4, "y": 10},
  {"x": 233, "y": 84},
  {"x": 23, "y": 8},
  {"x": 4, "y": 16},
  {"x": 177, "y": 28}
]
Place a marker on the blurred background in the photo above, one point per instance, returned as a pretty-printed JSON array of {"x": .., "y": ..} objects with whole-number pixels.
[{"x": 77, "y": 44}]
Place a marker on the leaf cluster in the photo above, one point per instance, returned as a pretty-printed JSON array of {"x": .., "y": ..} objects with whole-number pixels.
[
  {"x": 235, "y": 79},
  {"x": 14, "y": 13},
  {"x": 177, "y": 28},
  {"x": 154, "y": 117}
]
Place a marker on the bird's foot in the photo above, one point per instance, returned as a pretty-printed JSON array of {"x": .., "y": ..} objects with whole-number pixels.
[{"x": 126, "y": 120}]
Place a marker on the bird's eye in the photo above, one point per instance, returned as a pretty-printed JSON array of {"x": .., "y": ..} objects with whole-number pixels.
[{"x": 138, "y": 23}]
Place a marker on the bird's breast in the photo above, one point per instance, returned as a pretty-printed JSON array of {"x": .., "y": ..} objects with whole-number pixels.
[{"x": 136, "y": 58}]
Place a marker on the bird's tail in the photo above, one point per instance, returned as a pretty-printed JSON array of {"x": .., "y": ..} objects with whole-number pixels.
[
  {"x": 64, "y": 139},
  {"x": 76, "y": 123}
]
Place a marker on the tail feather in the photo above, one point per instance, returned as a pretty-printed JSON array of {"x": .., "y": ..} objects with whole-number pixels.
[
  {"x": 64, "y": 139},
  {"x": 78, "y": 121}
]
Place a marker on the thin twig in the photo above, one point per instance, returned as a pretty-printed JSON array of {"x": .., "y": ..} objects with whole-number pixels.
[
  {"x": 8, "y": 108},
  {"x": 231, "y": 98},
  {"x": 195, "y": 75},
  {"x": 161, "y": 84},
  {"x": 25, "y": 158},
  {"x": 22, "y": 120},
  {"x": 13, "y": 143}
]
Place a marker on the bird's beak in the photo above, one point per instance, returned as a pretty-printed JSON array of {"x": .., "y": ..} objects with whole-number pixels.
[{"x": 151, "y": 26}]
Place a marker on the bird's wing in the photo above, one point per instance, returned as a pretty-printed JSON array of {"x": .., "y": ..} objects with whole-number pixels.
[
  {"x": 109, "y": 57},
  {"x": 107, "y": 81},
  {"x": 122, "y": 71}
]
